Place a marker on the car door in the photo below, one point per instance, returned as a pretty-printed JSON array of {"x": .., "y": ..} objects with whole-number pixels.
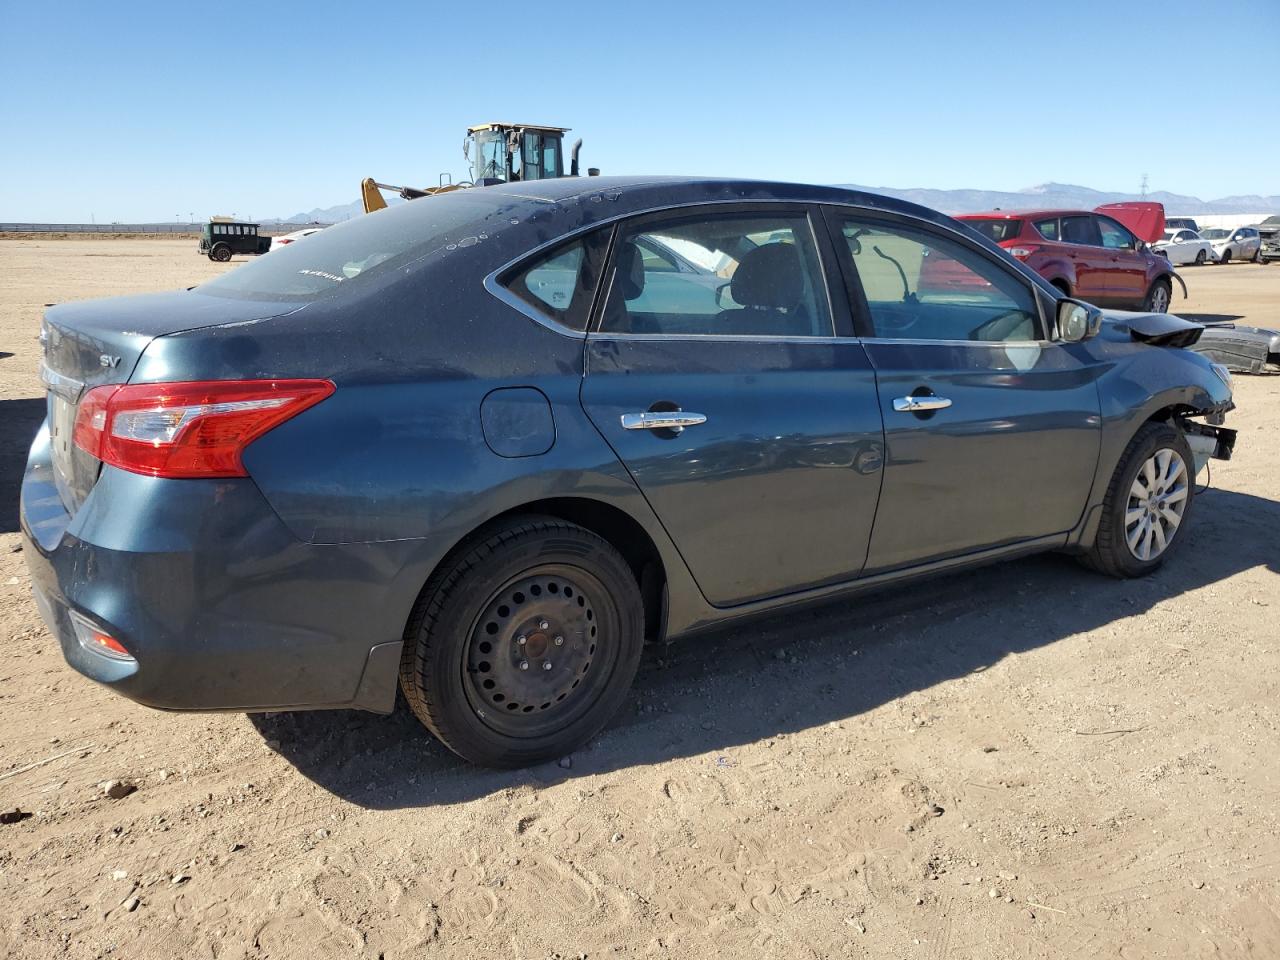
[
  {"x": 1127, "y": 278},
  {"x": 753, "y": 430},
  {"x": 1092, "y": 262},
  {"x": 992, "y": 430}
]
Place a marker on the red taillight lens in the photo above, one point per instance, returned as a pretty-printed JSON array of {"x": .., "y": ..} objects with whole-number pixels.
[
  {"x": 283, "y": 242},
  {"x": 188, "y": 429},
  {"x": 1022, "y": 252}
]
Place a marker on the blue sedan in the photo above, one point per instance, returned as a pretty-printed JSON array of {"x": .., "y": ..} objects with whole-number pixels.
[{"x": 482, "y": 447}]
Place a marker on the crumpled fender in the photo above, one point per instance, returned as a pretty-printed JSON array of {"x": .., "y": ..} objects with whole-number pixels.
[{"x": 1163, "y": 329}]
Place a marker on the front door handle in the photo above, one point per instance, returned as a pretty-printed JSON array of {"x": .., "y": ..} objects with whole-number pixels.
[
  {"x": 673, "y": 420},
  {"x": 920, "y": 404}
]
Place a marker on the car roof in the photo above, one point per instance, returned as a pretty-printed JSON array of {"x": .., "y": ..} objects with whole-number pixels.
[{"x": 592, "y": 199}]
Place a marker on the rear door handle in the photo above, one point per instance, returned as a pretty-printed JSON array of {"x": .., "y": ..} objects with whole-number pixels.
[
  {"x": 918, "y": 404},
  {"x": 673, "y": 420}
]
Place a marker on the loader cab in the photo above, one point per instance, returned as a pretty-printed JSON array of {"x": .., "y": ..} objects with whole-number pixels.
[{"x": 506, "y": 152}]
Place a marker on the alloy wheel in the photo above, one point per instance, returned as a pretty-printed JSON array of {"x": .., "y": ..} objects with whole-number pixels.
[{"x": 1157, "y": 501}]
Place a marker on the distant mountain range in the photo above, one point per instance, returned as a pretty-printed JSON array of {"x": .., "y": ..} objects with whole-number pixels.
[
  {"x": 1069, "y": 196},
  {"x": 1065, "y": 195},
  {"x": 344, "y": 211}
]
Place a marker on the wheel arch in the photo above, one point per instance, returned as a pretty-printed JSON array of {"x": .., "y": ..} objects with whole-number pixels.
[{"x": 613, "y": 525}]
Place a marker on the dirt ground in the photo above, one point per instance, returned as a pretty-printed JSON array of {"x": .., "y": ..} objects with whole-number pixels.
[{"x": 1024, "y": 761}]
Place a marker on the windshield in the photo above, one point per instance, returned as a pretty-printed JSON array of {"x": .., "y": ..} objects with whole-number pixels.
[
  {"x": 349, "y": 254},
  {"x": 489, "y": 156},
  {"x": 1168, "y": 234},
  {"x": 997, "y": 230},
  {"x": 1215, "y": 234}
]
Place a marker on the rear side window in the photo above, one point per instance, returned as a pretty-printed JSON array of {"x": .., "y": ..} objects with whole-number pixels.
[
  {"x": 1047, "y": 228},
  {"x": 997, "y": 230},
  {"x": 1081, "y": 229},
  {"x": 561, "y": 283},
  {"x": 742, "y": 275}
]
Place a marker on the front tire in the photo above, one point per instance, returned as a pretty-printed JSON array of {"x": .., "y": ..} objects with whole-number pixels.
[
  {"x": 1226, "y": 257},
  {"x": 1147, "y": 505},
  {"x": 1158, "y": 297},
  {"x": 524, "y": 644},
  {"x": 221, "y": 253},
  {"x": 1201, "y": 257}
]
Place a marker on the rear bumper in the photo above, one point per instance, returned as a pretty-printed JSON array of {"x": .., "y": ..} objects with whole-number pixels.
[{"x": 220, "y": 605}]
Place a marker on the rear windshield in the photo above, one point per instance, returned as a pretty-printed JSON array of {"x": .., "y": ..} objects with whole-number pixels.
[
  {"x": 350, "y": 254},
  {"x": 997, "y": 229},
  {"x": 1215, "y": 234}
]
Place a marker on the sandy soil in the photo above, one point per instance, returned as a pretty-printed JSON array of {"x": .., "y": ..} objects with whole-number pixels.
[{"x": 1026, "y": 761}]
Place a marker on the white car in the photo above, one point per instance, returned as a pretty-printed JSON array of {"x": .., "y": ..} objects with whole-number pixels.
[
  {"x": 294, "y": 237},
  {"x": 1184, "y": 246},
  {"x": 1242, "y": 243}
]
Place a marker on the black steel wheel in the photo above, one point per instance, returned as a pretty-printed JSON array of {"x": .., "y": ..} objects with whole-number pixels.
[
  {"x": 221, "y": 253},
  {"x": 1201, "y": 257},
  {"x": 524, "y": 644}
]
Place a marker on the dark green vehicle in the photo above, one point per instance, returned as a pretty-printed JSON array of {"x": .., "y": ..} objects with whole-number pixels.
[{"x": 221, "y": 238}]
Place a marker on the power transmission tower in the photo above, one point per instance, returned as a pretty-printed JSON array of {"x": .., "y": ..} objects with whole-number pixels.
[{"x": 1144, "y": 184}]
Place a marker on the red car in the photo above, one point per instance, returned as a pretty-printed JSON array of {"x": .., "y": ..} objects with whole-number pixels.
[{"x": 1089, "y": 255}]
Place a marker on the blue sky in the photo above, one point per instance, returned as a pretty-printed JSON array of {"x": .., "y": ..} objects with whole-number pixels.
[{"x": 130, "y": 110}]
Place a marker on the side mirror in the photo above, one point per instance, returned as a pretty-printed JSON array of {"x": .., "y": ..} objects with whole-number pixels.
[{"x": 1077, "y": 321}]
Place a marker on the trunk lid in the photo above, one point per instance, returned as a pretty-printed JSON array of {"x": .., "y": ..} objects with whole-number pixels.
[{"x": 97, "y": 342}]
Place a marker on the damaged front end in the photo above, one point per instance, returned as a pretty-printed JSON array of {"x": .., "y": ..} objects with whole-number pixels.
[{"x": 1208, "y": 441}]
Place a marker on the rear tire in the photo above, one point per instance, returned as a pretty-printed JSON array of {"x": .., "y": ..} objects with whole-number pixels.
[
  {"x": 1158, "y": 297},
  {"x": 1201, "y": 257},
  {"x": 524, "y": 644},
  {"x": 1153, "y": 486},
  {"x": 221, "y": 253}
]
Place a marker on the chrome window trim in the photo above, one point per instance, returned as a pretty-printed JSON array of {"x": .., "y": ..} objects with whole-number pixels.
[
  {"x": 501, "y": 293},
  {"x": 495, "y": 288}
]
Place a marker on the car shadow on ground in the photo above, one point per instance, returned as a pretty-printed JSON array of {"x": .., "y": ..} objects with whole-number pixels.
[
  {"x": 19, "y": 421},
  {"x": 708, "y": 694}
]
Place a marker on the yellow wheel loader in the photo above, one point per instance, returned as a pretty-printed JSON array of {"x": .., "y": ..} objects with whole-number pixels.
[{"x": 495, "y": 153}]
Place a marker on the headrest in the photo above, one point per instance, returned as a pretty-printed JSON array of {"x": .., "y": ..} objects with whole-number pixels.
[
  {"x": 769, "y": 276},
  {"x": 630, "y": 271}
]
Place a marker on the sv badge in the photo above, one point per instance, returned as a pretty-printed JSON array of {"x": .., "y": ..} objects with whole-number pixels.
[{"x": 106, "y": 360}]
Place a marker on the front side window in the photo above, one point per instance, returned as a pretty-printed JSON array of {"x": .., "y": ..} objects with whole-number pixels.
[
  {"x": 746, "y": 275},
  {"x": 920, "y": 285},
  {"x": 1114, "y": 236}
]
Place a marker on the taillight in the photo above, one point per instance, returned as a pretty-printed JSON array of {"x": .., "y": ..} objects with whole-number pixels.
[
  {"x": 283, "y": 242},
  {"x": 1022, "y": 252},
  {"x": 195, "y": 429}
]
